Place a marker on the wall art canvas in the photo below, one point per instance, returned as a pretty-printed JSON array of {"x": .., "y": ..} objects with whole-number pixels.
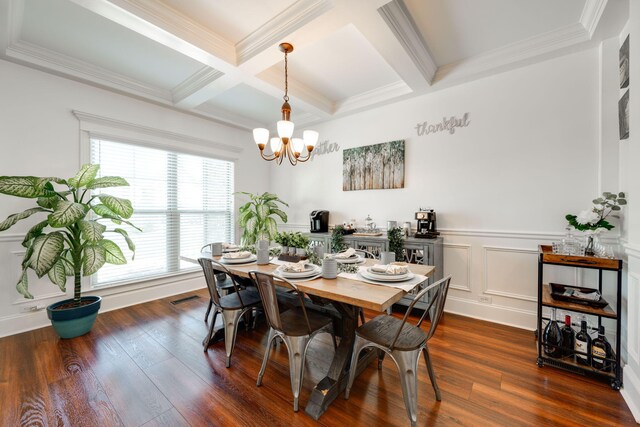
[
  {"x": 624, "y": 64},
  {"x": 372, "y": 167},
  {"x": 623, "y": 115}
]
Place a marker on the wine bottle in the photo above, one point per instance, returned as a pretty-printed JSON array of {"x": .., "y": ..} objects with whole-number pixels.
[
  {"x": 568, "y": 337},
  {"x": 583, "y": 345},
  {"x": 553, "y": 336},
  {"x": 600, "y": 352}
]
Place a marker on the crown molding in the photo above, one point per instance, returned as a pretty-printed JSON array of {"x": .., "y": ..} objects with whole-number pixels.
[
  {"x": 402, "y": 25},
  {"x": 165, "y": 25},
  {"x": 591, "y": 14},
  {"x": 13, "y": 11},
  {"x": 273, "y": 31},
  {"x": 85, "y": 118},
  {"x": 373, "y": 97},
  {"x": 224, "y": 116},
  {"x": 57, "y": 62},
  {"x": 513, "y": 53},
  {"x": 194, "y": 83}
]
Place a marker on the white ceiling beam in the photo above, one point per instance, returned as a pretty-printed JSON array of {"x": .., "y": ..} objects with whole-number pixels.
[
  {"x": 280, "y": 26},
  {"x": 168, "y": 27},
  {"x": 399, "y": 20},
  {"x": 369, "y": 22},
  {"x": 188, "y": 93},
  {"x": 591, "y": 14}
]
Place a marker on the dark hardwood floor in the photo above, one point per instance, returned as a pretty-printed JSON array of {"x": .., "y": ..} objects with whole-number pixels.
[{"x": 144, "y": 366}]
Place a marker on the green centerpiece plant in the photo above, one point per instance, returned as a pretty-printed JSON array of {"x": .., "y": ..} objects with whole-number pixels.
[
  {"x": 70, "y": 241},
  {"x": 257, "y": 217},
  {"x": 337, "y": 239},
  {"x": 394, "y": 235}
]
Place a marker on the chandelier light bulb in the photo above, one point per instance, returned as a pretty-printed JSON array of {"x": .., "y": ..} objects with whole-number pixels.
[
  {"x": 298, "y": 146},
  {"x": 276, "y": 145},
  {"x": 261, "y": 137},
  {"x": 285, "y": 129}
]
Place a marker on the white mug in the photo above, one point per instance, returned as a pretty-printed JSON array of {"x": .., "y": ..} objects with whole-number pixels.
[
  {"x": 387, "y": 257},
  {"x": 216, "y": 249}
]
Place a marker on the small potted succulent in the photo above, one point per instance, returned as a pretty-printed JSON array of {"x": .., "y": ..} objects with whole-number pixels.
[{"x": 70, "y": 241}]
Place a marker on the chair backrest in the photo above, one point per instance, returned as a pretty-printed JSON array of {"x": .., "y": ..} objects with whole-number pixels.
[
  {"x": 210, "y": 268},
  {"x": 437, "y": 297},
  {"x": 366, "y": 254},
  {"x": 265, "y": 283}
]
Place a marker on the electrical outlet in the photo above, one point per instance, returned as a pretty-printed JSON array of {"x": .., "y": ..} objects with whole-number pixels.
[{"x": 485, "y": 299}]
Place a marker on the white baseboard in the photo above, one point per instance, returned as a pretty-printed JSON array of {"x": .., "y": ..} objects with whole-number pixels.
[
  {"x": 631, "y": 391},
  {"x": 12, "y": 325},
  {"x": 509, "y": 316}
]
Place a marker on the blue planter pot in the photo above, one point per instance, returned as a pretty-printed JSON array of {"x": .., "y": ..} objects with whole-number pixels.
[{"x": 75, "y": 321}]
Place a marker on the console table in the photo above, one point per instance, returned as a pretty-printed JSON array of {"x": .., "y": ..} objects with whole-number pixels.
[{"x": 415, "y": 251}]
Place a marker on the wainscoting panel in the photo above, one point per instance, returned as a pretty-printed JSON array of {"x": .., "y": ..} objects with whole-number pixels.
[
  {"x": 457, "y": 263},
  {"x": 508, "y": 272}
]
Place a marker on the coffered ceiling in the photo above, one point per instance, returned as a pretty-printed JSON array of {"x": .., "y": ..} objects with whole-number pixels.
[{"x": 220, "y": 60}]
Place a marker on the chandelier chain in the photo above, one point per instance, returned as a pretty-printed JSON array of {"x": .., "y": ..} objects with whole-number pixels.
[{"x": 286, "y": 78}]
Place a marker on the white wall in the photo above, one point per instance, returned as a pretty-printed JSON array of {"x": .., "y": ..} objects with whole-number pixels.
[
  {"x": 40, "y": 136},
  {"x": 630, "y": 179},
  {"x": 500, "y": 186}
]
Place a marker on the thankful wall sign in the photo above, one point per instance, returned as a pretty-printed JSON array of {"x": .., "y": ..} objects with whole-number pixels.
[{"x": 446, "y": 125}]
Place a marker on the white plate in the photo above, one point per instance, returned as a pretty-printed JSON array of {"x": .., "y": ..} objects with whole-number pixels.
[
  {"x": 380, "y": 282},
  {"x": 386, "y": 278},
  {"x": 352, "y": 260},
  {"x": 310, "y": 270},
  {"x": 383, "y": 275},
  {"x": 246, "y": 260},
  {"x": 228, "y": 250}
]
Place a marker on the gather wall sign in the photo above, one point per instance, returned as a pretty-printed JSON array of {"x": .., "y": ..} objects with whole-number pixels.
[
  {"x": 325, "y": 147},
  {"x": 446, "y": 125}
]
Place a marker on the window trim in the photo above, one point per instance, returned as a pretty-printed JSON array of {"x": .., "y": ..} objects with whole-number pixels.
[{"x": 99, "y": 127}]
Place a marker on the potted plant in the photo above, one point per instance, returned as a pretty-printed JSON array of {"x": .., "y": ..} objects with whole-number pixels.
[
  {"x": 394, "y": 235},
  {"x": 282, "y": 238},
  {"x": 337, "y": 239},
  {"x": 301, "y": 243},
  {"x": 257, "y": 217},
  {"x": 70, "y": 241},
  {"x": 594, "y": 220}
]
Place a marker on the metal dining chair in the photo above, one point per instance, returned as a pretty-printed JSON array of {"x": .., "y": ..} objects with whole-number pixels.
[
  {"x": 232, "y": 306},
  {"x": 223, "y": 282},
  {"x": 296, "y": 327},
  {"x": 403, "y": 343}
]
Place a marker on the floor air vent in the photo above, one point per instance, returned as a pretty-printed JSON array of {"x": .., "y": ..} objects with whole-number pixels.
[{"x": 185, "y": 299}]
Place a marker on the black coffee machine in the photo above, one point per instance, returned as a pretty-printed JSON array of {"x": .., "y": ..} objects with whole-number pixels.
[
  {"x": 319, "y": 221},
  {"x": 426, "y": 224}
]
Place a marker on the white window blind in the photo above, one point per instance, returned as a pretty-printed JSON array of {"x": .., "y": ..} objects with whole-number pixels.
[{"x": 180, "y": 201}]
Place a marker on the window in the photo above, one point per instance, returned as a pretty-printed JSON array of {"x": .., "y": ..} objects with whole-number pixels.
[{"x": 180, "y": 201}]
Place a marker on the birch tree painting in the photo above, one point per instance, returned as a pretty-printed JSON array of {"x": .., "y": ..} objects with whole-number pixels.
[{"x": 373, "y": 167}]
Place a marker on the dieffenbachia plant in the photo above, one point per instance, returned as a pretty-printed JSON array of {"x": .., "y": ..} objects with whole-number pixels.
[
  {"x": 70, "y": 241},
  {"x": 257, "y": 217}
]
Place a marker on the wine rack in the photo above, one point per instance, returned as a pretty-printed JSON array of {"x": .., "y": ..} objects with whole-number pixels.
[{"x": 547, "y": 257}]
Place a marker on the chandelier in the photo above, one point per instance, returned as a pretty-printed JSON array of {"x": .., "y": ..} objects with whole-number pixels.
[{"x": 284, "y": 145}]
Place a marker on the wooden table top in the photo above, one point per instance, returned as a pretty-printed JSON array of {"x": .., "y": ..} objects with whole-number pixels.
[{"x": 354, "y": 292}]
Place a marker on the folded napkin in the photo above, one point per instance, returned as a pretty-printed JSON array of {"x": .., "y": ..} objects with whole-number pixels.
[
  {"x": 590, "y": 296},
  {"x": 291, "y": 267},
  {"x": 234, "y": 255},
  {"x": 389, "y": 269},
  {"x": 346, "y": 254},
  {"x": 229, "y": 246}
]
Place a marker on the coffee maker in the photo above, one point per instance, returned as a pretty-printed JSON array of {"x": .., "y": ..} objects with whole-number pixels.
[
  {"x": 319, "y": 221},
  {"x": 426, "y": 224}
]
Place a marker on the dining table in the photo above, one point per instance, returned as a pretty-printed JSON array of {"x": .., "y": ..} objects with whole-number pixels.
[{"x": 347, "y": 295}]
